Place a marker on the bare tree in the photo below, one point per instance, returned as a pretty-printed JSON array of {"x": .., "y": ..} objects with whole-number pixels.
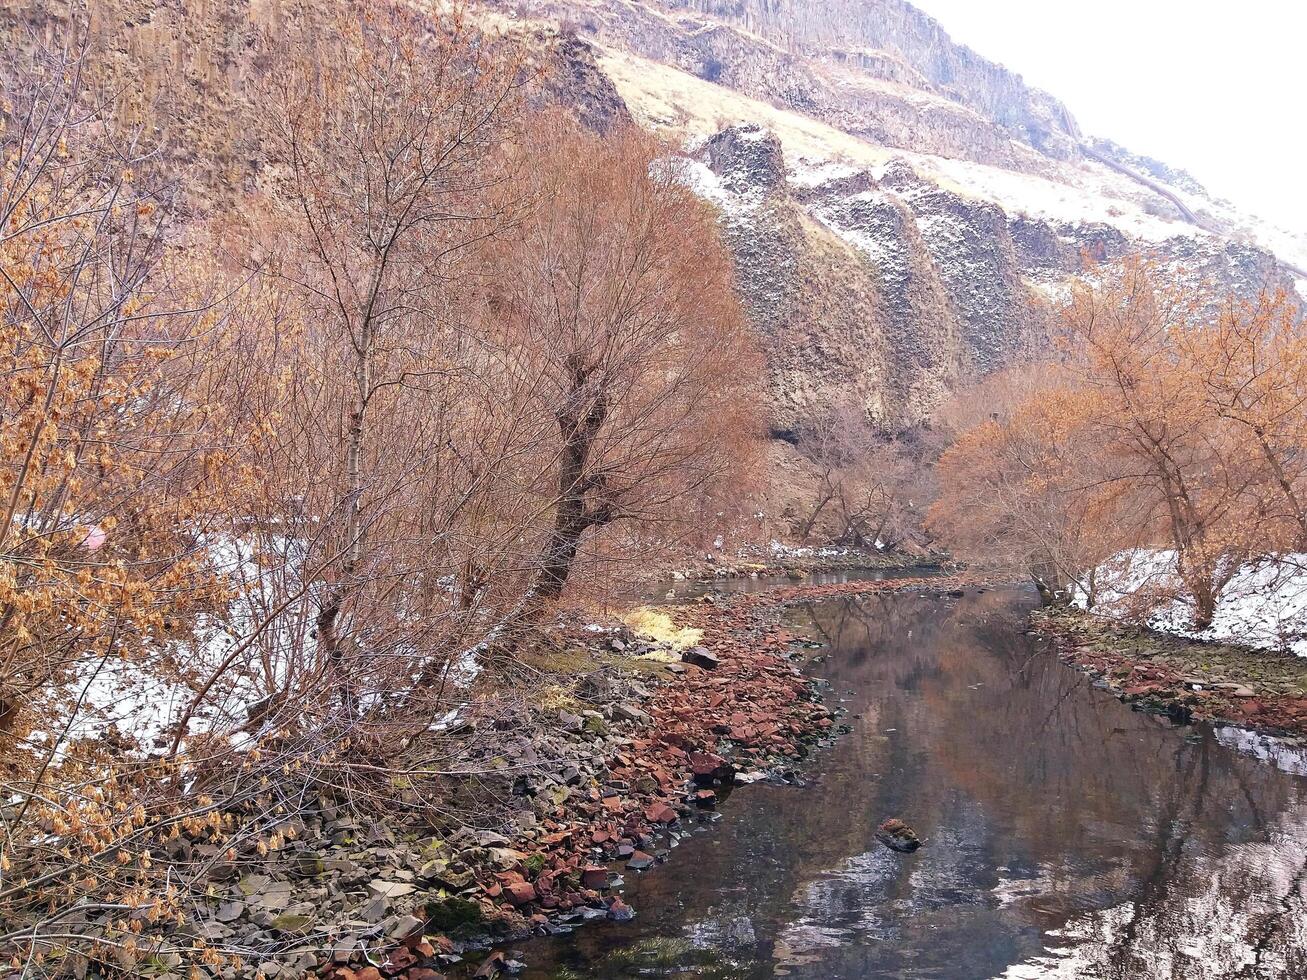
[
  {"x": 392, "y": 128},
  {"x": 621, "y": 330},
  {"x": 865, "y": 481}
]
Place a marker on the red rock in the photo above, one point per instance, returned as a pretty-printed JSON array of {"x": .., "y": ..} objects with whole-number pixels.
[
  {"x": 705, "y": 799},
  {"x": 521, "y": 892},
  {"x": 400, "y": 959},
  {"x": 705, "y": 763},
  {"x": 595, "y": 876},
  {"x": 660, "y": 813}
]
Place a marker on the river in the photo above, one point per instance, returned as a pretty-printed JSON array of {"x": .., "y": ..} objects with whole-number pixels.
[{"x": 1066, "y": 835}]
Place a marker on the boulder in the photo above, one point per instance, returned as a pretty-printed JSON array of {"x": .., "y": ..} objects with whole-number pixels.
[
  {"x": 406, "y": 926},
  {"x": 293, "y": 924},
  {"x": 660, "y": 813},
  {"x": 377, "y": 888},
  {"x": 709, "y": 768},
  {"x": 701, "y": 657},
  {"x": 898, "y": 836},
  {"x": 520, "y": 892}
]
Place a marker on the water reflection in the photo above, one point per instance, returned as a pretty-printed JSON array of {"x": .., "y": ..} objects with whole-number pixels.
[{"x": 1067, "y": 836}]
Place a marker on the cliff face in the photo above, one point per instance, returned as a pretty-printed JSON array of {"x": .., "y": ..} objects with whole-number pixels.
[
  {"x": 893, "y": 41},
  {"x": 889, "y": 288},
  {"x": 904, "y": 213},
  {"x": 878, "y": 69},
  {"x": 185, "y": 72},
  {"x": 881, "y": 284}
]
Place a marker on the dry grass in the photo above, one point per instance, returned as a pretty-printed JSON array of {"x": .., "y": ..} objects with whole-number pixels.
[
  {"x": 658, "y": 626},
  {"x": 668, "y": 98}
]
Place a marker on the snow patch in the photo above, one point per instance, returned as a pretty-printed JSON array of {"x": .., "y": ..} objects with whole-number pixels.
[
  {"x": 735, "y": 206},
  {"x": 1264, "y": 606},
  {"x": 808, "y": 175}
]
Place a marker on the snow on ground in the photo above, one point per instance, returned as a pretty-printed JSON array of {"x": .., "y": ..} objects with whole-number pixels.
[
  {"x": 267, "y": 633},
  {"x": 1093, "y": 194},
  {"x": 1264, "y": 605},
  {"x": 144, "y": 699},
  {"x": 117, "y": 695},
  {"x": 780, "y": 550},
  {"x": 809, "y": 174},
  {"x": 735, "y": 206},
  {"x": 1289, "y": 246},
  {"x": 667, "y": 98}
]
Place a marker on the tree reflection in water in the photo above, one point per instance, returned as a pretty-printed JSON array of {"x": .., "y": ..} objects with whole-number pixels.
[{"x": 1067, "y": 836}]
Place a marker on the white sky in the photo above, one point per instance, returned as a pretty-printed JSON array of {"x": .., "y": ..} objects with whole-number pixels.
[{"x": 1219, "y": 90}]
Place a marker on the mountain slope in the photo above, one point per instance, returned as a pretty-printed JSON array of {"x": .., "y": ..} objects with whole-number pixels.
[{"x": 903, "y": 212}]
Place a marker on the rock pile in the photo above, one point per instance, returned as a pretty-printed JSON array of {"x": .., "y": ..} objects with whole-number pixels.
[
  {"x": 1183, "y": 679},
  {"x": 561, "y": 799}
]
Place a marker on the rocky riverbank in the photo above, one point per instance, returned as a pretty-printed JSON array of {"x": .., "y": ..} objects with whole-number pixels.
[
  {"x": 1185, "y": 679},
  {"x": 629, "y": 745}
]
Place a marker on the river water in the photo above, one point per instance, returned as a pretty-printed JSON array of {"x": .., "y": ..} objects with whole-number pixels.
[{"x": 1066, "y": 835}]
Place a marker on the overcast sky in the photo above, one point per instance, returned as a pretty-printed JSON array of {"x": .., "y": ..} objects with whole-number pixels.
[{"x": 1217, "y": 89}]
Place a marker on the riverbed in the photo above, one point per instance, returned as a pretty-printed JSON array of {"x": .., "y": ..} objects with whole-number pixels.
[{"x": 1065, "y": 834}]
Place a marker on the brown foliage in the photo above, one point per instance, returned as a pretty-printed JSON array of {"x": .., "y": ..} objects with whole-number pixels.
[
  {"x": 620, "y": 342},
  {"x": 1170, "y": 422},
  {"x": 300, "y": 478}
]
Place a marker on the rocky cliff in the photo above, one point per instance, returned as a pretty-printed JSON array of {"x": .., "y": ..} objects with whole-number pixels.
[{"x": 904, "y": 213}]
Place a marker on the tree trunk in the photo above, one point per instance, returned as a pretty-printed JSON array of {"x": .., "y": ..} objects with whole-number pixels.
[
  {"x": 573, "y": 516},
  {"x": 1046, "y": 578},
  {"x": 827, "y": 495},
  {"x": 1204, "y": 605},
  {"x": 569, "y": 524},
  {"x": 329, "y": 639},
  {"x": 1286, "y": 488}
]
